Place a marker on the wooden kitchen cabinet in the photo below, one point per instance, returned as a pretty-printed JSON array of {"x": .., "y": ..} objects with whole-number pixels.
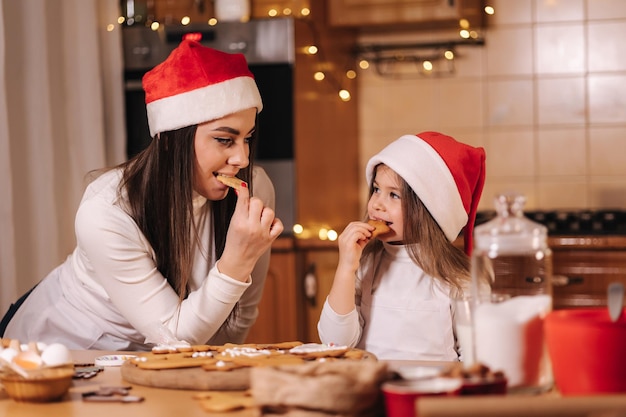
[
  {"x": 286, "y": 312},
  {"x": 327, "y": 190},
  {"x": 279, "y": 315},
  {"x": 319, "y": 258},
  {"x": 326, "y": 128},
  {"x": 427, "y": 14},
  {"x": 172, "y": 11}
]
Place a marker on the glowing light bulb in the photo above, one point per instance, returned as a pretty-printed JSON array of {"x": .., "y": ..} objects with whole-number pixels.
[
  {"x": 364, "y": 64},
  {"x": 311, "y": 49},
  {"x": 332, "y": 235},
  {"x": 323, "y": 234},
  {"x": 344, "y": 95},
  {"x": 351, "y": 74},
  {"x": 305, "y": 11},
  {"x": 319, "y": 76},
  {"x": 448, "y": 55},
  {"x": 490, "y": 10},
  {"x": 185, "y": 20},
  {"x": 297, "y": 228},
  {"x": 428, "y": 66},
  {"x": 464, "y": 34},
  {"x": 212, "y": 21},
  {"x": 272, "y": 13},
  {"x": 154, "y": 26}
]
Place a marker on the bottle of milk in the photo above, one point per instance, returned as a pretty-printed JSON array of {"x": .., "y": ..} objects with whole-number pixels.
[{"x": 511, "y": 286}]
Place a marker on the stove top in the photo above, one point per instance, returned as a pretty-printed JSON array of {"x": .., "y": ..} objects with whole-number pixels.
[{"x": 573, "y": 222}]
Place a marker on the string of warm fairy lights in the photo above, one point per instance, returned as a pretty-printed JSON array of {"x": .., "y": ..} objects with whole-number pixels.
[
  {"x": 381, "y": 57},
  {"x": 364, "y": 56},
  {"x": 397, "y": 60},
  {"x": 303, "y": 13}
]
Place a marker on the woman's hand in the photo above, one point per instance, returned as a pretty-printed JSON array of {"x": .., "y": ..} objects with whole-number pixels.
[{"x": 253, "y": 228}]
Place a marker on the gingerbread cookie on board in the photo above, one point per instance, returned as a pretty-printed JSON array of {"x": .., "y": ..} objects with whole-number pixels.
[{"x": 227, "y": 367}]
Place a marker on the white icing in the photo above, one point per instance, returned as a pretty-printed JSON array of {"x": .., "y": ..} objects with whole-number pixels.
[
  {"x": 202, "y": 355},
  {"x": 316, "y": 347},
  {"x": 246, "y": 351}
]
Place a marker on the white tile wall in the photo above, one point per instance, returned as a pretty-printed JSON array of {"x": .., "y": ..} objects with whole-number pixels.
[
  {"x": 561, "y": 101},
  {"x": 545, "y": 96}
]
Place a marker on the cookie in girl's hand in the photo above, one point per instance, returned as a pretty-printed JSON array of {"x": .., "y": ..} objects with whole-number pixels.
[{"x": 381, "y": 227}]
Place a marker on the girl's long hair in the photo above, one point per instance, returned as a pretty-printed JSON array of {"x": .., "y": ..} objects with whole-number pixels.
[
  {"x": 159, "y": 183},
  {"x": 427, "y": 244}
]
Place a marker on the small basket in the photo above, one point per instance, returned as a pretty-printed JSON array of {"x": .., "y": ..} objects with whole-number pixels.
[{"x": 42, "y": 385}]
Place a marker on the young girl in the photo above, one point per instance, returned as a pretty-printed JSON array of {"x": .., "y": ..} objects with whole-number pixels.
[
  {"x": 392, "y": 295},
  {"x": 165, "y": 253}
]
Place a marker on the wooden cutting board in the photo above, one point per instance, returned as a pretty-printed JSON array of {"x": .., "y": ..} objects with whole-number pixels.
[
  {"x": 197, "y": 378},
  {"x": 187, "y": 378}
]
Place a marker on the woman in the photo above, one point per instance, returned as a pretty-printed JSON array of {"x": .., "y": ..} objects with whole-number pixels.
[{"x": 165, "y": 254}]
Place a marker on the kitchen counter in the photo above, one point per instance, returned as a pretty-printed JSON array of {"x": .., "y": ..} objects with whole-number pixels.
[
  {"x": 172, "y": 402},
  {"x": 157, "y": 401}
]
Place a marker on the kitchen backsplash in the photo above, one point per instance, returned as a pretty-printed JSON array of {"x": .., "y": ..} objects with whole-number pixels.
[{"x": 545, "y": 96}]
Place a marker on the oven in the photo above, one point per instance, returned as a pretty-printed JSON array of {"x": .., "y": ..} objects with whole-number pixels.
[{"x": 268, "y": 45}]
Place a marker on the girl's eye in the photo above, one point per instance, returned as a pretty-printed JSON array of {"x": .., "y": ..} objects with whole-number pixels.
[
  {"x": 394, "y": 195},
  {"x": 375, "y": 189}
]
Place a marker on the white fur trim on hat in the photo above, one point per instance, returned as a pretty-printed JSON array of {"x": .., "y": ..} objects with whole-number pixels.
[
  {"x": 429, "y": 177},
  {"x": 203, "y": 104}
]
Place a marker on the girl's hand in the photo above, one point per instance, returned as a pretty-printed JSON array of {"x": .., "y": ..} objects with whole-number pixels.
[
  {"x": 253, "y": 228},
  {"x": 351, "y": 243}
]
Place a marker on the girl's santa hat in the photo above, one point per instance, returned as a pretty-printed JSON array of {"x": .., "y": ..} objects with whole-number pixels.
[
  {"x": 196, "y": 84},
  {"x": 448, "y": 177}
]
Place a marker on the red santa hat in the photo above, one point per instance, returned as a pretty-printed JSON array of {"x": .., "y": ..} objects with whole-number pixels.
[
  {"x": 196, "y": 84},
  {"x": 448, "y": 177}
]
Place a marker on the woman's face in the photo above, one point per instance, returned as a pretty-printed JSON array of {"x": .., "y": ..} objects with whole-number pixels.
[
  {"x": 385, "y": 203},
  {"x": 222, "y": 147}
]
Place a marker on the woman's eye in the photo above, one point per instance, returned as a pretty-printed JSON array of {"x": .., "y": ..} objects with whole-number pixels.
[
  {"x": 376, "y": 190},
  {"x": 394, "y": 195},
  {"x": 249, "y": 139},
  {"x": 224, "y": 141}
]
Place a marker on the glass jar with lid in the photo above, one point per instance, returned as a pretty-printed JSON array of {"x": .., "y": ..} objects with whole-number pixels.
[{"x": 511, "y": 284}]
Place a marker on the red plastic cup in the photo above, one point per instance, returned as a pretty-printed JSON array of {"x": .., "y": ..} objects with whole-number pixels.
[
  {"x": 587, "y": 350},
  {"x": 401, "y": 396}
]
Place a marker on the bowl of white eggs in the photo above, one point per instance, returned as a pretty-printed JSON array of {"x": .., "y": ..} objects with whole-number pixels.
[{"x": 36, "y": 372}]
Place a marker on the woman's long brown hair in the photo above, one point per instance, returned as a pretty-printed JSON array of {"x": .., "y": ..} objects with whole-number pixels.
[
  {"x": 159, "y": 183},
  {"x": 427, "y": 244}
]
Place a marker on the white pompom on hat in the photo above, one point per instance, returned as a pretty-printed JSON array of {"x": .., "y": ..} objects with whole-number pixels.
[
  {"x": 448, "y": 177},
  {"x": 196, "y": 84}
]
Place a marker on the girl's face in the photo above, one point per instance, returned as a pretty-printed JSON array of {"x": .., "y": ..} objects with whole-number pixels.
[
  {"x": 222, "y": 146},
  {"x": 385, "y": 203}
]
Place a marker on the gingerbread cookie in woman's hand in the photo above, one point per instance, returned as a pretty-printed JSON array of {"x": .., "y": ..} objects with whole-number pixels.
[{"x": 232, "y": 182}]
